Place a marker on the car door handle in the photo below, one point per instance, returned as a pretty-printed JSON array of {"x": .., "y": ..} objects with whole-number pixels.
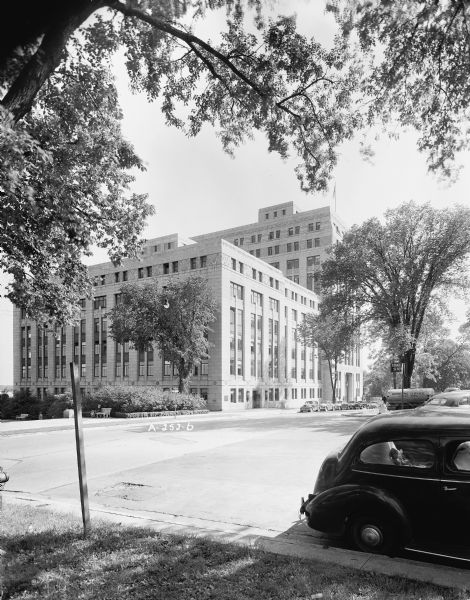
[{"x": 449, "y": 489}]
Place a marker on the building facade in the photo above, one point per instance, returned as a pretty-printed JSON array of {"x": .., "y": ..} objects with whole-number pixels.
[{"x": 255, "y": 359}]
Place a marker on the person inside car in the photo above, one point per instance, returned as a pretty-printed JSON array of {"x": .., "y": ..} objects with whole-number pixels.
[{"x": 461, "y": 458}]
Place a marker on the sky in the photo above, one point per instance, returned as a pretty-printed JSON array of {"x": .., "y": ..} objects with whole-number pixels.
[{"x": 196, "y": 188}]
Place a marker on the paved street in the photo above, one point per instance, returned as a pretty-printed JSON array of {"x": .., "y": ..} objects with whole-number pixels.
[{"x": 247, "y": 470}]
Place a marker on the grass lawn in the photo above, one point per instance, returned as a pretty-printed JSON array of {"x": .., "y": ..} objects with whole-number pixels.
[{"x": 43, "y": 555}]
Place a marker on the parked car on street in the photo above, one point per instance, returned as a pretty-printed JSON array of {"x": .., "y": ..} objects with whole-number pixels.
[
  {"x": 452, "y": 399},
  {"x": 402, "y": 480},
  {"x": 310, "y": 406}
]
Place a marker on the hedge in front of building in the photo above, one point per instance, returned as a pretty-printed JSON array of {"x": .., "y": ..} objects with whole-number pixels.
[{"x": 134, "y": 399}]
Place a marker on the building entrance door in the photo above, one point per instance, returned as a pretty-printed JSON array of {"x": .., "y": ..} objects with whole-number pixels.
[{"x": 256, "y": 399}]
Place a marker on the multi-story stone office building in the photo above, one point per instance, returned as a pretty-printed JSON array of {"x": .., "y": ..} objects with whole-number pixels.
[{"x": 255, "y": 358}]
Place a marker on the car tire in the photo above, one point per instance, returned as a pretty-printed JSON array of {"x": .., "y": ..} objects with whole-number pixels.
[{"x": 373, "y": 534}]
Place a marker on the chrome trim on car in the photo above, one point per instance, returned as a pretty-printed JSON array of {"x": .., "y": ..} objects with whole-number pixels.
[
  {"x": 455, "y": 481},
  {"x": 399, "y": 476}
]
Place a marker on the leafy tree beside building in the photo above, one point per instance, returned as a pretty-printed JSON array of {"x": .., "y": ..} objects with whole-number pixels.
[
  {"x": 390, "y": 273},
  {"x": 333, "y": 336},
  {"x": 176, "y": 319}
]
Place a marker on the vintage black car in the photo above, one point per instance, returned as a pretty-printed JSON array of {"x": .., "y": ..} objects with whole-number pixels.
[{"x": 402, "y": 480}]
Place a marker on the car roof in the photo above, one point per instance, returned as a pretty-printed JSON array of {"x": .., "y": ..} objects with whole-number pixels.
[{"x": 441, "y": 419}]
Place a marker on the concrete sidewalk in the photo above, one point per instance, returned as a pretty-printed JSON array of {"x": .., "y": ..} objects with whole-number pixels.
[{"x": 305, "y": 546}]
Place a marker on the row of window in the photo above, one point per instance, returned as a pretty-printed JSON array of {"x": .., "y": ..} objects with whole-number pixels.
[
  {"x": 290, "y": 247},
  {"x": 242, "y": 395},
  {"x": 276, "y": 234},
  {"x": 148, "y": 271}
]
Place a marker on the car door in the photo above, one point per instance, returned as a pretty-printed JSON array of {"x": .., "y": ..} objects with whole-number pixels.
[
  {"x": 455, "y": 489},
  {"x": 408, "y": 470}
]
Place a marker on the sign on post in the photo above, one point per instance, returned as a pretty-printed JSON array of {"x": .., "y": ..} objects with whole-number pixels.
[
  {"x": 395, "y": 365},
  {"x": 82, "y": 480}
]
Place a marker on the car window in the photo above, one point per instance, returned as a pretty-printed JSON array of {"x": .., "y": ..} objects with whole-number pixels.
[
  {"x": 464, "y": 401},
  {"x": 400, "y": 453},
  {"x": 458, "y": 455}
]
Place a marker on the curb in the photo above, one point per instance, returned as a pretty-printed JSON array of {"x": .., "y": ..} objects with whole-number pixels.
[{"x": 267, "y": 540}]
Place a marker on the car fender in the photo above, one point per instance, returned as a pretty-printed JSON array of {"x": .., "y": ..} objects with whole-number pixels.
[{"x": 331, "y": 510}]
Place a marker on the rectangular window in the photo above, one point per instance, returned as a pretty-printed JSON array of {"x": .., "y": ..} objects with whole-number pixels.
[
  {"x": 193, "y": 263},
  {"x": 259, "y": 237},
  {"x": 259, "y": 346},
  {"x": 317, "y": 242},
  {"x": 310, "y": 226},
  {"x": 253, "y": 239},
  {"x": 256, "y": 298},
  {"x": 257, "y": 252},
  {"x": 296, "y": 246},
  {"x": 166, "y": 268},
  {"x": 174, "y": 266},
  {"x": 309, "y": 243},
  {"x": 241, "y": 395},
  {"x": 289, "y": 247},
  {"x": 240, "y": 267},
  {"x": 290, "y": 231},
  {"x": 232, "y": 341},
  {"x": 313, "y": 260},
  {"x": 274, "y": 305},
  {"x": 203, "y": 261},
  {"x": 239, "y": 341},
  {"x": 99, "y": 302},
  {"x": 297, "y": 229},
  {"x": 233, "y": 395},
  {"x": 253, "y": 344},
  {"x": 271, "y": 235},
  {"x": 270, "y": 251},
  {"x": 276, "y": 249},
  {"x": 117, "y": 277},
  {"x": 204, "y": 368},
  {"x": 242, "y": 241},
  {"x": 278, "y": 233},
  {"x": 253, "y": 273},
  {"x": 293, "y": 263},
  {"x": 317, "y": 226},
  {"x": 124, "y": 275},
  {"x": 140, "y": 272},
  {"x": 236, "y": 291},
  {"x": 234, "y": 264},
  {"x": 149, "y": 271}
]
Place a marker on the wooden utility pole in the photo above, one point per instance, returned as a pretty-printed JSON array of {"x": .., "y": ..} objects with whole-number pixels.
[{"x": 82, "y": 480}]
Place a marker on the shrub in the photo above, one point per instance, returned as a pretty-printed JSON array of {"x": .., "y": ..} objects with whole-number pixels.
[
  {"x": 129, "y": 399},
  {"x": 55, "y": 405}
]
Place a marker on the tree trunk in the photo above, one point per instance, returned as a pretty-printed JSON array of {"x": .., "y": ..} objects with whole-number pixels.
[
  {"x": 47, "y": 57},
  {"x": 184, "y": 377},
  {"x": 332, "y": 379}
]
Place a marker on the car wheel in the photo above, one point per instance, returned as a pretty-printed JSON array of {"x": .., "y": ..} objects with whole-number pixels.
[{"x": 373, "y": 534}]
